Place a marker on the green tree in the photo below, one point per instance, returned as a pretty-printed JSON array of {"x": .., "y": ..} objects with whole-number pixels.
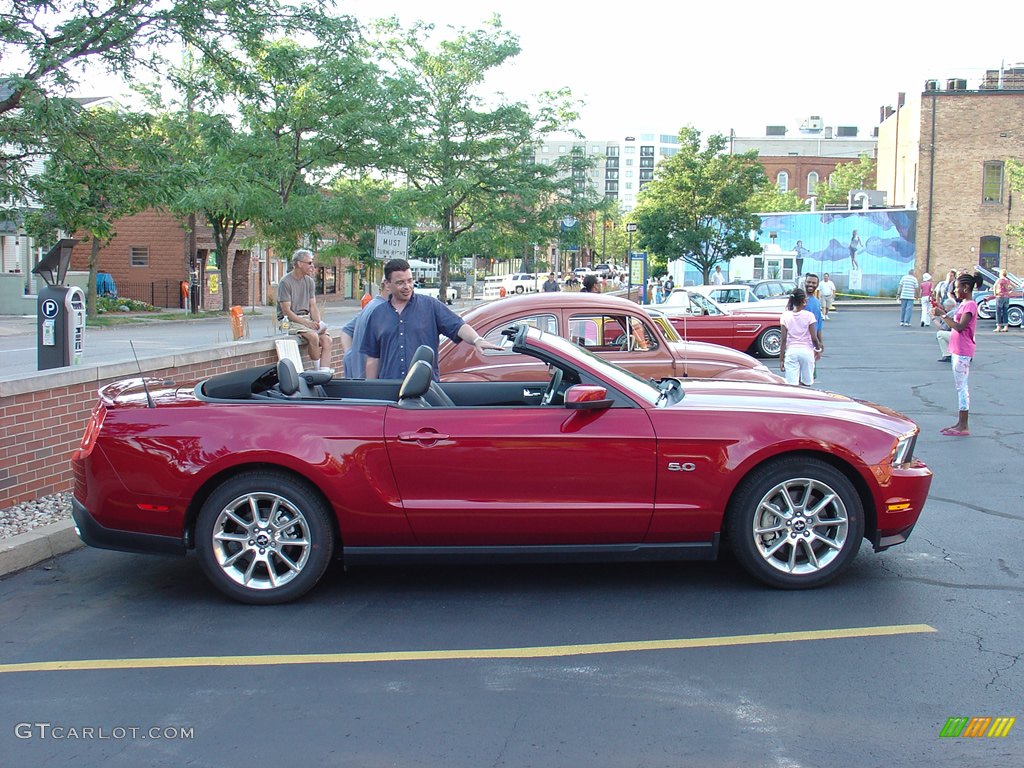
[
  {"x": 47, "y": 42},
  {"x": 98, "y": 174},
  {"x": 768, "y": 199},
  {"x": 846, "y": 177},
  {"x": 1015, "y": 171},
  {"x": 698, "y": 206},
  {"x": 469, "y": 164}
]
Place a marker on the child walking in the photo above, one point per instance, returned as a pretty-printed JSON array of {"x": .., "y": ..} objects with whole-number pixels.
[
  {"x": 962, "y": 323},
  {"x": 800, "y": 345}
]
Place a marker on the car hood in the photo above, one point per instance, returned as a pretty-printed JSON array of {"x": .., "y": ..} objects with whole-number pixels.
[{"x": 721, "y": 395}]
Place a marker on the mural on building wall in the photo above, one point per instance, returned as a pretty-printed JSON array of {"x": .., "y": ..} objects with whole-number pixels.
[{"x": 864, "y": 252}]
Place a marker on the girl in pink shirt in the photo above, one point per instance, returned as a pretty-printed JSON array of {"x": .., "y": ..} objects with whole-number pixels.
[
  {"x": 962, "y": 322},
  {"x": 800, "y": 345}
]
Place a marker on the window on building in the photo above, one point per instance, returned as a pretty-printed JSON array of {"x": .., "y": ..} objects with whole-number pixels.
[
  {"x": 629, "y": 185},
  {"x": 646, "y": 137},
  {"x": 992, "y": 183},
  {"x": 629, "y": 161},
  {"x": 646, "y": 175},
  {"x": 611, "y": 162},
  {"x": 666, "y": 139},
  {"x": 646, "y": 162},
  {"x": 629, "y": 174},
  {"x": 611, "y": 174},
  {"x": 629, "y": 149},
  {"x": 647, "y": 151},
  {"x": 611, "y": 187},
  {"x": 812, "y": 183},
  {"x": 988, "y": 252},
  {"x": 562, "y": 149},
  {"x": 782, "y": 181},
  {"x": 611, "y": 151},
  {"x": 139, "y": 256}
]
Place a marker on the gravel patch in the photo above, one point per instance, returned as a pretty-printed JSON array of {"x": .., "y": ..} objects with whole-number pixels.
[{"x": 34, "y": 514}]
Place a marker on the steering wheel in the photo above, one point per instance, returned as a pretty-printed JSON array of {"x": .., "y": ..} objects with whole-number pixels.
[{"x": 552, "y": 390}]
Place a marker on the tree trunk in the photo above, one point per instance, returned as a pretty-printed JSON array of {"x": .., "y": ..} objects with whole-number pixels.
[{"x": 90, "y": 293}]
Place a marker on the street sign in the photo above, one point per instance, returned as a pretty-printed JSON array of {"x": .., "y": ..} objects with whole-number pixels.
[
  {"x": 391, "y": 243},
  {"x": 631, "y": 227}
]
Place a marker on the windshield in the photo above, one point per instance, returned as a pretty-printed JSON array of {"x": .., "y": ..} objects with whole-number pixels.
[
  {"x": 641, "y": 389},
  {"x": 669, "y": 331}
]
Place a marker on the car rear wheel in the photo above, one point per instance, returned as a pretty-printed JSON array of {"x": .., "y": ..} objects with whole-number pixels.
[
  {"x": 769, "y": 343},
  {"x": 263, "y": 538},
  {"x": 519, "y": 289},
  {"x": 985, "y": 311},
  {"x": 795, "y": 523},
  {"x": 1015, "y": 316}
]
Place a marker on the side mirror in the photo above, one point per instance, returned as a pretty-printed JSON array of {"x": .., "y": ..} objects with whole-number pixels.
[{"x": 587, "y": 397}]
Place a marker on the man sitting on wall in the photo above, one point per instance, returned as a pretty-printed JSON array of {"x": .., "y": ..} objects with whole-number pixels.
[{"x": 296, "y": 301}]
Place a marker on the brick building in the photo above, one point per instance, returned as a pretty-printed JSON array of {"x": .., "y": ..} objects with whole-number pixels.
[
  {"x": 149, "y": 257},
  {"x": 801, "y": 163},
  {"x": 944, "y": 151}
]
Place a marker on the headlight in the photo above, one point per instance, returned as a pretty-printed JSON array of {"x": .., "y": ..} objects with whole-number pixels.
[{"x": 904, "y": 450}]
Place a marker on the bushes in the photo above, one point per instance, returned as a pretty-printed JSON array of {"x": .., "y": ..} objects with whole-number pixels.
[{"x": 107, "y": 304}]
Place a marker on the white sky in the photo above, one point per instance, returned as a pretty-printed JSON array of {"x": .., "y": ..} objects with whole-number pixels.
[
  {"x": 736, "y": 65},
  {"x": 740, "y": 65}
]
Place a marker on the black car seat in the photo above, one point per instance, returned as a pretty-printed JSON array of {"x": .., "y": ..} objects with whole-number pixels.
[
  {"x": 435, "y": 396},
  {"x": 416, "y": 385}
]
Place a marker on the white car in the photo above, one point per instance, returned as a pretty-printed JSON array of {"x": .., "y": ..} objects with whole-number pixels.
[
  {"x": 738, "y": 297},
  {"x": 435, "y": 292},
  {"x": 520, "y": 282}
]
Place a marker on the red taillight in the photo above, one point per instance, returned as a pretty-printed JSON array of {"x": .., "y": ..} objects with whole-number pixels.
[{"x": 92, "y": 430}]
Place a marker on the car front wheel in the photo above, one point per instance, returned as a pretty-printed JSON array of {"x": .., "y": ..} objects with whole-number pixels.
[
  {"x": 263, "y": 538},
  {"x": 1015, "y": 316},
  {"x": 769, "y": 343},
  {"x": 795, "y": 523}
]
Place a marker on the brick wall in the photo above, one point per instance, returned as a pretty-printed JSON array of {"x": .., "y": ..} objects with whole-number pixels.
[
  {"x": 970, "y": 128},
  {"x": 42, "y": 416}
]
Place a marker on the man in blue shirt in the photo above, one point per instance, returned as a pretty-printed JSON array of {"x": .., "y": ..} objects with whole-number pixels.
[{"x": 398, "y": 327}]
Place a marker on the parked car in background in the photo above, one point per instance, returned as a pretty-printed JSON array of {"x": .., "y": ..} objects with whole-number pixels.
[
  {"x": 1014, "y": 315},
  {"x": 586, "y": 462},
  {"x": 740, "y": 297},
  {"x": 434, "y": 289},
  {"x": 771, "y": 288},
  {"x": 640, "y": 340},
  {"x": 520, "y": 282},
  {"x": 698, "y": 318}
]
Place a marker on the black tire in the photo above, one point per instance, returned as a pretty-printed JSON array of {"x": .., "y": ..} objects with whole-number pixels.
[
  {"x": 795, "y": 523},
  {"x": 264, "y": 537},
  {"x": 769, "y": 343},
  {"x": 519, "y": 289}
]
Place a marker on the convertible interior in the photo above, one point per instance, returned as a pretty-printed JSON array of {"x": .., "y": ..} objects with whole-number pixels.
[{"x": 282, "y": 383}]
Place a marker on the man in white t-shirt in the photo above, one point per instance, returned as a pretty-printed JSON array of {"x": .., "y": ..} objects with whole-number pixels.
[
  {"x": 827, "y": 291},
  {"x": 718, "y": 278},
  {"x": 296, "y": 300}
]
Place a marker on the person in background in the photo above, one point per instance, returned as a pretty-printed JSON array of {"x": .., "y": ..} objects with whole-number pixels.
[
  {"x": 906, "y": 291},
  {"x": 1001, "y": 289},
  {"x": 827, "y": 292},
  {"x": 800, "y": 347},
  {"x": 551, "y": 284},
  {"x": 353, "y": 360},
  {"x": 962, "y": 322},
  {"x": 942, "y": 335},
  {"x": 590, "y": 284},
  {"x": 926, "y": 299},
  {"x": 296, "y": 300},
  {"x": 718, "y": 278}
]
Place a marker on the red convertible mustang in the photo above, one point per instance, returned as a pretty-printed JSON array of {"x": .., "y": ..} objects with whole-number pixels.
[{"x": 789, "y": 479}]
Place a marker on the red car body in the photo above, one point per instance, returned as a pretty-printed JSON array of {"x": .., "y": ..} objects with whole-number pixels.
[
  {"x": 269, "y": 482},
  {"x": 620, "y": 331},
  {"x": 699, "y": 318}
]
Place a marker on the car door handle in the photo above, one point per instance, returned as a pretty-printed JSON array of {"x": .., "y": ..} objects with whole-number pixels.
[
  {"x": 532, "y": 392},
  {"x": 422, "y": 436}
]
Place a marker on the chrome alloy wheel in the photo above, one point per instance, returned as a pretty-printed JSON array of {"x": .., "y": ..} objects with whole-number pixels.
[
  {"x": 261, "y": 541},
  {"x": 800, "y": 526}
]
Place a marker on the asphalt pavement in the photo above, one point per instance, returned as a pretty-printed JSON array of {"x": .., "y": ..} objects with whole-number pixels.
[{"x": 663, "y": 665}]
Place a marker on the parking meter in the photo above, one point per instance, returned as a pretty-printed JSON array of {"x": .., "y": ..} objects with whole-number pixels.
[{"x": 60, "y": 311}]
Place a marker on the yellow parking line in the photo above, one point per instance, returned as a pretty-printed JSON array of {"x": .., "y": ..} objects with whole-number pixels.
[{"x": 535, "y": 652}]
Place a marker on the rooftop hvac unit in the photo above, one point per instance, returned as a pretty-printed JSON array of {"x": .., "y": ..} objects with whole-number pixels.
[
  {"x": 847, "y": 131},
  {"x": 956, "y": 85},
  {"x": 873, "y": 197},
  {"x": 931, "y": 85},
  {"x": 813, "y": 123},
  {"x": 775, "y": 130}
]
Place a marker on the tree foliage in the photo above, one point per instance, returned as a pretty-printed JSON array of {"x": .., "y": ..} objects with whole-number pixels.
[
  {"x": 698, "y": 208},
  {"x": 847, "y": 177},
  {"x": 469, "y": 165},
  {"x": 1015, "y": 171}
]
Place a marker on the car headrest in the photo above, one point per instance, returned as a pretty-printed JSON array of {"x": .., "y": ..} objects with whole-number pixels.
[
  {"x": 287, "y": 377},
  {"x": 417, "y": 381},
  {"x": 423, "y": 352}
]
